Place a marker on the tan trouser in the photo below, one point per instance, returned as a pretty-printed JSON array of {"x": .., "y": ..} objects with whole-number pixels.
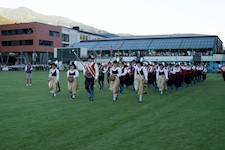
[
  {"x": 73, "y": 86},
  {"x": 139, "y": 85},
  {"x": 161, "y": 83},
  {"x": 114, "y": 85},
  {"x": 52, "y": 84}
]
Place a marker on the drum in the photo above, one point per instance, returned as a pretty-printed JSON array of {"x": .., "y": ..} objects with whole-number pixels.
[
  {"x": 70, "y": 78},
  {"x": 112, "y": 78}
]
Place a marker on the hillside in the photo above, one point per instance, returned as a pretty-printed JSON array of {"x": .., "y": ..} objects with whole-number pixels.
[
  {"x": 23, "y": 14},
  {"x": 4, "y": 20}
]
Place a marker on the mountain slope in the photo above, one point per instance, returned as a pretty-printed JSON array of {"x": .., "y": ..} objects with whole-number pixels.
[
  {"x": 4, "y": 20},
  {"x": 23, "y": 14}
]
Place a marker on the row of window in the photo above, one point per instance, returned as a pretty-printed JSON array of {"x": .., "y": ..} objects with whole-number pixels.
[
  {"x": 18, "y": 31},
  {"x": 54, "y": 33},
  {"x": 27, "y": 31},
  {"x": 85, "y": 37},
  {"x": 26, "y": 42}
]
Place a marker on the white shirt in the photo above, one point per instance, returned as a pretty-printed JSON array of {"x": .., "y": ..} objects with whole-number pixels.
[
  {"x": 105, "y": 69},
  {"x": 161, "y": 71},
  {"x": 115, "y": 69},
  {"x": 31, "y": 68},
  {"x": 177, "y": 69},
  {"x": 72, "y": 71},
  {"x": 172, "y": 70},
  {"x": 138, "y": 69},
  {"x": 51, "y": 71},
  {"x": 125, "y": 71}
]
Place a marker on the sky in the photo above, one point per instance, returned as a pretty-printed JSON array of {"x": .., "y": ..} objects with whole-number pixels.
[{"x": 137, "y": 17}]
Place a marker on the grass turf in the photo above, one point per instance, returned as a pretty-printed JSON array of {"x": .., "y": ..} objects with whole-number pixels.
[{"x": 191, "y": 118}]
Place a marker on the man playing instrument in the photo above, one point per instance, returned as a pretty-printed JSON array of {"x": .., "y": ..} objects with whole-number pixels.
[{"x": 91, "y": 73}]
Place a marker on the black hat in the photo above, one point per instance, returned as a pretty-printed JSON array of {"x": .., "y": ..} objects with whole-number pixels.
[
  {"x": 115, "y": 62},
  {"x": 91, "y": 57},
  {"x": 139, "y": 62},
  {"x": 53, "y": 63},
  {"x": 72, "y": 64}
]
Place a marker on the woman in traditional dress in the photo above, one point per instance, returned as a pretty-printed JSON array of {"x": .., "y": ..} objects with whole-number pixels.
[
  {"x": 140, "y": 78},
  {"x": 114, "y": 80},
  {"x": 72, "y": 76},
  {"x": 53, "y": 79},
  {"x": 161, "y": 78}
]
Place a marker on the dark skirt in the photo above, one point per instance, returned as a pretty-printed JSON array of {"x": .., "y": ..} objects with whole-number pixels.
[
  {"x": 177, "y": 80},
  {"x": 151, "y": 79},
  {"x": 127, "y": 80},
  {"x": 187, "y": 78},
  {"x": 170, "y": 82},
  {"x": 204, "y": 76}
]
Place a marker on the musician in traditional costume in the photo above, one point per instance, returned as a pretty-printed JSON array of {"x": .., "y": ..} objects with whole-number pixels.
[
  {"x": 187, "y": 74},
  {"x": 72, "y": 84},
  {"x": 155, "y": 67},
  {"x": 53, "y": 79},
  {"x": 103, "y": 68},
  {"x": 114, "y": 80},
  {"x": 171, "y": 76},
  {"x": 108, "y": 71},
  {"x": 178, "y": 77},
  {"x": 199, "y": 73},
  {"x": 204, "y": 72},
  {"x": 131, "y": 73},
  {"x": 193, "y": 73},
  {"x": 123, "y": 76},
  {"x": 140, "y": 79},
  {"x": 161, "y": 78},
  {"x": 91, "y": 73}
]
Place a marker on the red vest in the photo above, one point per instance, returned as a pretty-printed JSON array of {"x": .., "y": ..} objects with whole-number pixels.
[{"x": 90, "y": 69}]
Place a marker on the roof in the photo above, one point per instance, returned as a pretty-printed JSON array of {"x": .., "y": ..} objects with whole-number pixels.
[
  {"x": 157, "y": 36},
  {"x": 170, "y": 41}
]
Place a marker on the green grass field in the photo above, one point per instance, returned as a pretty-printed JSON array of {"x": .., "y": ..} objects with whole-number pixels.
[{"x": 31, "y": 119}]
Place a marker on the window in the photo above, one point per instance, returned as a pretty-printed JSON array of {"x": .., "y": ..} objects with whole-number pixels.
[
  {"x": 17, "y": 31},
  {"x": 65, "y": 45},
  {"x": 54, "y": 33},
  {"x": 65, "y": 37},
  {"x": 45, "y": 43},
  {"x": 17, "y": 43}
]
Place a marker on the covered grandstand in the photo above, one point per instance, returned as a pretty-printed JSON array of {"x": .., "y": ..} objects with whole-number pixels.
[
  {"x": 166, "y": 48},
  {"x": 156, "y": 45}
]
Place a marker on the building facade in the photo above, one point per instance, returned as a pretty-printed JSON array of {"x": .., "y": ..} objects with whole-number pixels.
[
  {"x": 36, "y": 41},
  {"x": 30, "y": 41},
  {"x": 74, "y": 35}
]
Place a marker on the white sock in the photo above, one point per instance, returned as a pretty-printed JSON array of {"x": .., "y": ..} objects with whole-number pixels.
[
  {"x": 54, "y": 94},
  {"x": 114, "y": 97},
  {"x": 140, "y": 98},
  {"x": 161, "y": 92}
]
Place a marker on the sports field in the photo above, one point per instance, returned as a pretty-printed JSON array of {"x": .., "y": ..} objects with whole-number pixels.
[{"x": 31, "y": 119}]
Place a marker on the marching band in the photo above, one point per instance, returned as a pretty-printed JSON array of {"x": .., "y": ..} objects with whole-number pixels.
[{"x": 137, "y": 74}]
